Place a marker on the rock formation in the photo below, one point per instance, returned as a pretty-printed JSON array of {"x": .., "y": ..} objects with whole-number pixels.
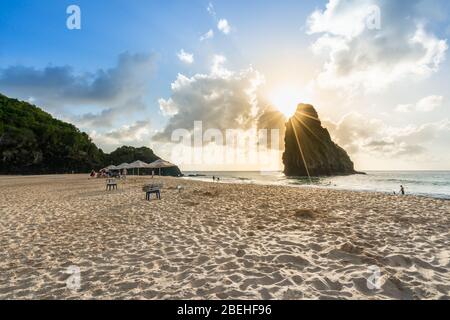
[{"x": 309, "y": 150}]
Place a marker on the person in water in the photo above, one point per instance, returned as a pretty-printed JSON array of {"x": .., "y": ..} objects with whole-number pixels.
[{"x": 402, "y": 190}]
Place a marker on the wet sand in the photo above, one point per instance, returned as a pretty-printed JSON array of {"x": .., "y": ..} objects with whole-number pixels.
[{"x": 217, "y": 241}]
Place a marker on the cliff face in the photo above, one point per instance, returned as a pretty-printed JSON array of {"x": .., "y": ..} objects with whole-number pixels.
[{"x": 309, "y": 149}]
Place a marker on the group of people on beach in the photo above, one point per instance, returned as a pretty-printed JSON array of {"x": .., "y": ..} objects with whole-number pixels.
[
  {"x": 107, "y": 174},
  {"x": 101, "y": 174},
  {"x": 216, "y": 179}
]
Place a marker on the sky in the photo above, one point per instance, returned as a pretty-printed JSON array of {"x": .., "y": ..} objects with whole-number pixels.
[{"x": 135, "y": 72}]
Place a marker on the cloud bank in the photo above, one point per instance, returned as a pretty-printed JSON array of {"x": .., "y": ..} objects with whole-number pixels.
[
  {"x": 137, "y": 134},
  {"x": 115, "y": 90},
  {"x": 361, "y": 135},
  {"x": 360, "y": 54},
  {"x": 222, "y": 99}
]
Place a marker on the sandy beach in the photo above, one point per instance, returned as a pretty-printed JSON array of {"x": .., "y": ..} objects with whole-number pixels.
[{"x": 218, "y": 241}]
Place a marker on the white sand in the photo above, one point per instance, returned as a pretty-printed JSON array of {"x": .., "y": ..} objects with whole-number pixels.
[{"x": 218, "y": 241}]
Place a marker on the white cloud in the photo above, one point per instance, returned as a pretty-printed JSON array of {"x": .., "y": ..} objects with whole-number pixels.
[
  {"x": 405, "y": 108},
  {"x": 56, "y": 86},
  {"x": 218, "y": 68},
  {"x": 359, "y": 56},
  {"x": 106, "y": 117},
  {"x": 136, "y": 134},
  {"x": 429, "y": 103},
  {"x": 222, "y": 99},
  {"x": 168, "y": 107},
  {"x": 360, "y": 135},
  {"x": 426, "y": 104},
  {"x": 224, "y": 26},
  {"x": 207, "y": 35},
  {"x": 61, "y": 88},
  {"x": 185, "y": 57}
]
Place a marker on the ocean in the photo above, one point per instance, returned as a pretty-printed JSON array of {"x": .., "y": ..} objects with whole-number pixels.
[{"x": 434, "y": 184}]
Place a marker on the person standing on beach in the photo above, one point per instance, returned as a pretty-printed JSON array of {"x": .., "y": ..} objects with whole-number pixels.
[
  {"x": 214, "y": 178},
  {"x": 402, "y": 190}
]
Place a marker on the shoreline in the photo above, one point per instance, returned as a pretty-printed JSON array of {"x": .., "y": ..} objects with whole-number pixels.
[
  {"x": 443, "y": 197},
  {"x": 343, "y": 189}
]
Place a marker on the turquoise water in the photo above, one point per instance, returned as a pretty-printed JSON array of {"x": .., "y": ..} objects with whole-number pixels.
[{"x": 423, "y": 183}]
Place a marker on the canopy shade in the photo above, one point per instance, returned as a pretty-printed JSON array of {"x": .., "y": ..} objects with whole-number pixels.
[
  {"x": 138, "y": 165},
  {"x": 161, "y": 164},
  {"x": 111, "y": 167},
  {"x": 123, "y": 166}
]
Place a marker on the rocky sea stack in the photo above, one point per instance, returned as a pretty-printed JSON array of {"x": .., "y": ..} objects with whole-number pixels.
[{"x": 309, "y": 150}]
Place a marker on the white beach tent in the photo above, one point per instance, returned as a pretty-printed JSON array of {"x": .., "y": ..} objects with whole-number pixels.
[
  {"x": 111, "y": 167},
  {"x": 123, "y": 166},
  {"x": 138, "y": 165},
  {"x": 158, "y": 164}
]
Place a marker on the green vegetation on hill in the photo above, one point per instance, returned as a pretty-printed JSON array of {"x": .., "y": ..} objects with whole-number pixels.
[
  {"x": 33, "y": 142},
  {"x": 131, "y": 154}
]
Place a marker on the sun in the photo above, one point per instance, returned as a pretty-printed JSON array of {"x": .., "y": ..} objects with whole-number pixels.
[{"x": 285, "y": 98}]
